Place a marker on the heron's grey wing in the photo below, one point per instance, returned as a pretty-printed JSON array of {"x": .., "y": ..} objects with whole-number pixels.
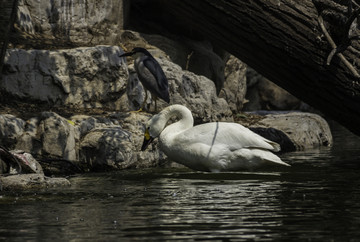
[{"x": 154, "y": 67}]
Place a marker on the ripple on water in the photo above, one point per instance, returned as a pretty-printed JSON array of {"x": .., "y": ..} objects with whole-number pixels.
[{"x": 318, "y": 198}]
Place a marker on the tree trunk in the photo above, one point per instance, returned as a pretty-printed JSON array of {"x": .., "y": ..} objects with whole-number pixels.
[{"x": 283, "y": 41}]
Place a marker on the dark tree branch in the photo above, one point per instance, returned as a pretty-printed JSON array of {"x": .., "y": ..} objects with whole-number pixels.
[{"x": 282, "y": 41}]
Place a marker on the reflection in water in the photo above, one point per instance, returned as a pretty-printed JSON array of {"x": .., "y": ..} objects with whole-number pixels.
[
  {"x": 208, "y": 209},
  {"x": 318, "y": 198}
]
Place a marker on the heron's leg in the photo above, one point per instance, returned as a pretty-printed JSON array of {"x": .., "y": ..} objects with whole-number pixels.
[
  {"x": 153, "y": 97},
  {"x": 137, "y": 111}
]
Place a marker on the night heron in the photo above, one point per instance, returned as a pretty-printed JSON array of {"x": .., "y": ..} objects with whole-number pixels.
[{"x": 150, "y": 74}]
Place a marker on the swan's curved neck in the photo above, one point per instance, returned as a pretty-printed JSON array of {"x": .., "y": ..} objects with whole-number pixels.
[{"x": 184, "y": 115}]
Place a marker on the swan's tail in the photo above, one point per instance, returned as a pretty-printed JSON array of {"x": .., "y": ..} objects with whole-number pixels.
[
  {"x": 253, "y": 158},
  {"x": 276, "y": 146},
  {"x": 269, "y": 157}
]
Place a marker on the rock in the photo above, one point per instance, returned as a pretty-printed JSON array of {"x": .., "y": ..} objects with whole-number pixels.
[
  {"x": 278, "y": 136},
  {"x": 84, "y": 123},
  {"x": 106, "y": 148},
  {"x": 71, "y": 22},
  {"x": 235, "y": 84},
  {"x": 49, "y": 136},
  {"x": 305, "y": 130},
  {"x": 265, "y": 95},
  {"x": 203, "y": 61},
  {"x": 57, "y": 136},
  {"x": 135, "y": 123},
  {"x": 109, "y": 146},
  {"x": 84, "y": 142},
  {"x": 30, "y": 181},
  {"x": 30, "y": 140},
  {"x": 11, "y": 128},
  {"x": 88, "y": 131},
  {"x": 198, "y": 93},
  {"x": 84, "y": 77},
  {"x": 27, "y": 162}
]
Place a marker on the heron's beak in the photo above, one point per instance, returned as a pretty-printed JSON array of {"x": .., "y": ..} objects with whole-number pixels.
[
  {"x": 127, "y": 54},
  {"x": 147, "y": 140}
]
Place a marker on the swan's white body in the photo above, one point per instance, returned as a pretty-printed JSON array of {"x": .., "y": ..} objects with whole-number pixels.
[{"x": 217, "y": 146}]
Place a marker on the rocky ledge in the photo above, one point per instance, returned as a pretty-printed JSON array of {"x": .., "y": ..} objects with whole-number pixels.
[
  {"x": 30, "y": 181},
  {"x": 112, "y": 140},
  {"x": 89, "y": 126}
]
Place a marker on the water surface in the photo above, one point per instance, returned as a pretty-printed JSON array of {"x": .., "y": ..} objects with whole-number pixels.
[{"x": 318, "y": 198}]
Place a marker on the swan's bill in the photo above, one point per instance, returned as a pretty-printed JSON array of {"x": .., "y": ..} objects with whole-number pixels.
[{"x": 147, "y": 140}]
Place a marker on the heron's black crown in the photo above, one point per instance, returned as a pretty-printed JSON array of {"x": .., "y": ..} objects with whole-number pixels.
[
  {"x": 137, "y": 50},
  {"x": 142, "y": 50}
]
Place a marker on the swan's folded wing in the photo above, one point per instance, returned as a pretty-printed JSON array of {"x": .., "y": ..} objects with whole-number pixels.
[{"x": 234, "y": 135}]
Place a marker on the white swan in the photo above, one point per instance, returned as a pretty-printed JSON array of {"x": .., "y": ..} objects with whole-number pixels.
[{"x": 217, "y": 146}]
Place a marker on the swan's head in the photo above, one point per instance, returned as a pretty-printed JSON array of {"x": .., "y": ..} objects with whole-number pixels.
[
  {"x": 154, "y": 127},
  {"x": 157, "y": 123}
]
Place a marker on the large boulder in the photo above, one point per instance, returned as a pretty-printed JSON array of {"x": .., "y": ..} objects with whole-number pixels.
[
  {"x": 106, "y": 148},
  {"x": 49, "y": 135},
  {"x": 263, "y": 94},
  {"x": 11, "y": 128},
  {"x": 134, "y": 123},
  {"x": 81, "y": 77},
  {"x": 113, "y": 141},
  {"x": 295, "y": 130},
  {"x": 71, "y": 22},
  {"x": 235, "y": 84}
]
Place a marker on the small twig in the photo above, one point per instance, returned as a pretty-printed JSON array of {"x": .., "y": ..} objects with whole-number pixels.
[
  {"x": 188, "y": 60},
  {"x": 331, "y": 55},
  {"x": 356, "y": 5},
  {"x": 334, "y": 47},
  {"x": 327, "y": 35}
]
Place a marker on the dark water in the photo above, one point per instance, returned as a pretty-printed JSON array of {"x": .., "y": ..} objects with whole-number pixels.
[{"x": 317, "y": 199}]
